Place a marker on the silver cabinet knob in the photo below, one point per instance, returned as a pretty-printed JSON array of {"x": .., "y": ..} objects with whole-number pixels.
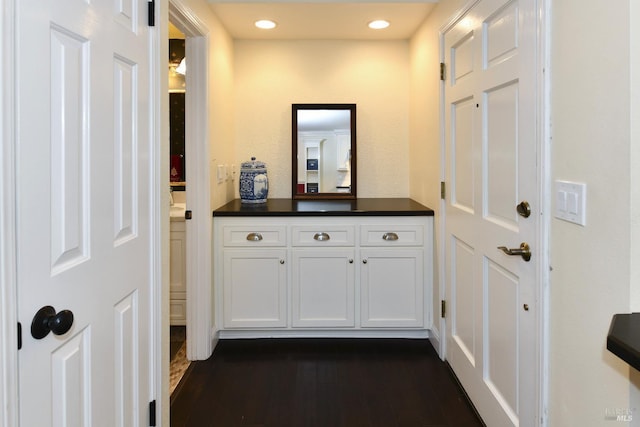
[
  {"x": 321, "y": 237},
  {"x": 390, "y": 237},
  {"x": 254, "y": 237}
]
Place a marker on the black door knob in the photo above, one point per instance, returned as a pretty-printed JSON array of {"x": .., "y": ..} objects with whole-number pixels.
[{"x": 47, "y": 320}]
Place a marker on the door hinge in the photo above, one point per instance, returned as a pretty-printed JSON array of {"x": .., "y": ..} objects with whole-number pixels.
[
  {"x": 152, "y": 413},
  {"x": 19, "y": 336},
  {"x": 151, "y": 4},
  {"x": 188, "y": 214},
  {"x": 443, "y": 308},
  {"x": 443, "y": 190},
  {"x": 443, "y": 71}
]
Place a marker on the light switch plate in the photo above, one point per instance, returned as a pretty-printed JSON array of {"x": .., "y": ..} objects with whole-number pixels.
[{"x": 571, "y": 201}]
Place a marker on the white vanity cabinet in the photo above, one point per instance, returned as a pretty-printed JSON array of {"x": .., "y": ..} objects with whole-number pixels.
[
  {"x": 177, "y": 273},
  {"x": 324, "y": 275}
]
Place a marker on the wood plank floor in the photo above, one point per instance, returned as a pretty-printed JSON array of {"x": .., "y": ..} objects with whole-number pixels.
[{"x": 321, "y": 383}]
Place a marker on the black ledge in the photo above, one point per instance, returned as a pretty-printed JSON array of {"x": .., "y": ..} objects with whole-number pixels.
[
  {"x": 624, "y": 338},
  {"x": 357, "y": 207}
]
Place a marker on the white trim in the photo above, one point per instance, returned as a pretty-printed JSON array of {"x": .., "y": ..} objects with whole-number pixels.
[
  {"x": 454, "y": 19},
  {"x": 543, "y": 180},
  {"x": 186, "y": 20},
  {"x": 199, "y": 234},
  {"x": 8, "y": 281},
  {"x": 157, "y": 368},
  {"x": 543, "y": 99}
]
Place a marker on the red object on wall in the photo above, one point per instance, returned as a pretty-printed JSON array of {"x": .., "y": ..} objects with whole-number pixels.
[
  {"x": 175, "y": 171},
  {"x": 300, "y": 188}
]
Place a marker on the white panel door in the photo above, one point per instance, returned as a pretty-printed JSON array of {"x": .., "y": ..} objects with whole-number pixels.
[
  {"x": 84, "y": 169},
  {"x": 490, "y": 132}
]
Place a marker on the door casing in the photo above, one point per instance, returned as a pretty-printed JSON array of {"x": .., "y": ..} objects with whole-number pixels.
[
  {"x": 8, "y": 280},
  {"x": 201, "y": 337}
]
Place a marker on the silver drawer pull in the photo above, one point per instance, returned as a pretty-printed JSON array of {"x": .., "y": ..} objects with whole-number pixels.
[
  {"x": 254, "y": 237},
  {"x": 390, "y": 237},
  {"x": 321, "y": 237}
]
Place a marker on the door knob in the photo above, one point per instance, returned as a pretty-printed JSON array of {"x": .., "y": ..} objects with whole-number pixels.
[
  {"x": 524, "y": 209},
  {"x": 523, "y": 251},
  {"x": 47, "y": 320}
]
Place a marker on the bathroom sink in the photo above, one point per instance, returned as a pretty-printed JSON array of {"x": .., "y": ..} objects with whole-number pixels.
[{"x": 177, "y": 210}]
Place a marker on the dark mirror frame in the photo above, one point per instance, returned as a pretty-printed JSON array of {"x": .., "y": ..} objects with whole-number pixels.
[{"x": 294, "y": 152}]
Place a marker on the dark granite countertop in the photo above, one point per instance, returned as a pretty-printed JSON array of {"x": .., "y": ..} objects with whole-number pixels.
[
  {"x": 357, "y": 207},
  {"x": 624, "y": 338}
]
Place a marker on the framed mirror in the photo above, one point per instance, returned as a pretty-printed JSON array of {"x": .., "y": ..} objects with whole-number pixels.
[{"x": 323, "y": 151}]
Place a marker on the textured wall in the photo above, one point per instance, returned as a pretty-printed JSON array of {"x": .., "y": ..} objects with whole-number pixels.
[
  {"x": 591, "y": 264},
  {"x": 272, "y": 75}
]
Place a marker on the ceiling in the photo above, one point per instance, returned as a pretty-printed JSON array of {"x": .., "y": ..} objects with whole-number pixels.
[{"x": 322, "y": 20}]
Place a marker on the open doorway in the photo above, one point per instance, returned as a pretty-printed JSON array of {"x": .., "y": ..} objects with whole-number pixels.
[
  {"x": 178, "y": 190},
  {"x": 191, "y": 306}
]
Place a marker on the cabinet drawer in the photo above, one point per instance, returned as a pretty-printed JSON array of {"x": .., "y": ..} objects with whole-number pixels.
[
  {"x": 391, "y": 235},
  {"x": 323, "y": 235},
  {"x": 255, "y": 237}
]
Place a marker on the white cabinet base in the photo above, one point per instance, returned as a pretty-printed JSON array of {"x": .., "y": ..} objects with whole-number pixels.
[
  {"x": 178, "y": 274},
  {"x": 321, "y": 276},
  {"x": 324, "y": 333}
]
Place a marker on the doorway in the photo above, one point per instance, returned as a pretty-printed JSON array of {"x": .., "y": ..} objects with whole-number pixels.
[
  {"x": 198, "y": 229},
  {"x": 177, "y": 228}
]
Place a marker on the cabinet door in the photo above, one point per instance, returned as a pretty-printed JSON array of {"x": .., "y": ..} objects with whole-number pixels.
[
  {"x": 178, "y": 258},
  {"x": 323, "y": 288},
  {"x": 254, "y": 288},
  {"x": 392, "y": 288},
  {"x": 177, "y": 275}
]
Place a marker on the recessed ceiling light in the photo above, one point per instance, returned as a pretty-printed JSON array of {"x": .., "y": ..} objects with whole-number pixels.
[
  {"x": 265, "y": 24},
  {"x": 378, "y": 24}
]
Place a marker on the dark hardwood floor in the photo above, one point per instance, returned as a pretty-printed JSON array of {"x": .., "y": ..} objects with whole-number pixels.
[{"x": 321, "y": 383}]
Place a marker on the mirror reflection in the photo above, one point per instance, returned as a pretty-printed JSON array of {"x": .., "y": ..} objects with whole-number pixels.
[{"x": 323, "y": 163}]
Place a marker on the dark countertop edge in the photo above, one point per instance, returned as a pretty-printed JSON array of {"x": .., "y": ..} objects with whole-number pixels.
[
  {"x": 623, "y": 339},
  {"x": 300, "y": 208}
]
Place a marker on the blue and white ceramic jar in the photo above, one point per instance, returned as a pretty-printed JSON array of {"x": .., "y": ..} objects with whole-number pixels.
[{"x": 254, "y": 184}]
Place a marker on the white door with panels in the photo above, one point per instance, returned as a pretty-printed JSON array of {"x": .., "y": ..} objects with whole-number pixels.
[
  {"x": 492, "y": 208},
  {"x": 84, "y": 228}
]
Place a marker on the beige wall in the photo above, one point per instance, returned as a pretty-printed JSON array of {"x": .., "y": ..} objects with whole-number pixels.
[
  {"x": 271, "y": 75},
  {"x": 221, "y": 94},
  {"x": 591, "y": 264}
]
